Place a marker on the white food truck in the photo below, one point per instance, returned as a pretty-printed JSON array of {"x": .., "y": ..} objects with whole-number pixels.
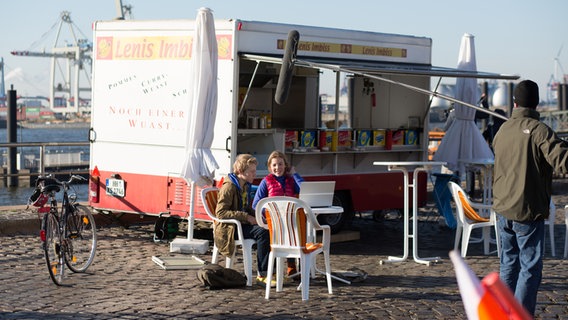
[{"x": 140, "y": 108}]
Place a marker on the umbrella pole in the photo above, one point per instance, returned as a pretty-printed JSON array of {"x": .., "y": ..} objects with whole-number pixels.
[
  {"x": 191, "y": 219},
  {"x": 190, "y": 245}
]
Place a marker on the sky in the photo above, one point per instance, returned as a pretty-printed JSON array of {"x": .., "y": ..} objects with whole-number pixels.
[{"x": 524, "y": 37}]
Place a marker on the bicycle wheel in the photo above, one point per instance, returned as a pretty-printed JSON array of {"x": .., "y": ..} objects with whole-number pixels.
[
  {"x": 52, "y": 247},
  {"x": 81, "y": 239}
]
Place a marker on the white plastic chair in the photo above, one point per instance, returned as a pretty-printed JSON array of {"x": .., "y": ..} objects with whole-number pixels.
[
  {"x": 288, "y": 220},
  {"x": 209, "y": 199},
  {"x": 469, "y": 219},
  {"x": 550, "y": 223}
]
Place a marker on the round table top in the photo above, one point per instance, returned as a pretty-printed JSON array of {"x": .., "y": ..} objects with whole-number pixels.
[
  {"x": 409, "y": 163},
  {"x": 327, "y": 210},
  {"x": 481, "y": 161}
]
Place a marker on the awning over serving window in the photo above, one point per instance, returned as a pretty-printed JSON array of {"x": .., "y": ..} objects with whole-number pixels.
[
  {"x": 377, "y": 70},
  {"x": 372, "y": 67}
]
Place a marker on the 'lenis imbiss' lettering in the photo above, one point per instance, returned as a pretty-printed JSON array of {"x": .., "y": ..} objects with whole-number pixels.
[
  {"x": 133, "y": 49},
  {"x": 152, "y": 48}
]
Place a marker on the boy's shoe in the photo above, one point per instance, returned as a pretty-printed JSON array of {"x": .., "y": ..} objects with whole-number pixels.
[
  {"x": 292, "y": 273},
  {"x": 262, "y": 281}
]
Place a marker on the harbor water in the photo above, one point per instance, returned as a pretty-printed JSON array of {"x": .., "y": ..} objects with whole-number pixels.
[{"x": 19, "y": 195}]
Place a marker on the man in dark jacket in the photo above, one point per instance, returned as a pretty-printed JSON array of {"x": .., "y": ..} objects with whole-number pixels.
[
  {"x": 493, "y": 127},
  {"x": 527, "y": 152}
]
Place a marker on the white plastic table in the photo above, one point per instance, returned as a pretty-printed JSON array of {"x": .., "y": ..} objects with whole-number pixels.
[
  {"x": 417, "y": 166},
  {"x": 311, "y": 237}
]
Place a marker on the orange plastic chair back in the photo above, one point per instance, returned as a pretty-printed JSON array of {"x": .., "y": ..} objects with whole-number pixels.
[
  {"x": 288, "y": 227},
  {"x": 211, "y": 200},
  {"x": 468, "y": 211}
]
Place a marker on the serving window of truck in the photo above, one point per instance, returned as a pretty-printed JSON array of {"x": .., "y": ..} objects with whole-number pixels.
[{"x": 140, "y": 108}]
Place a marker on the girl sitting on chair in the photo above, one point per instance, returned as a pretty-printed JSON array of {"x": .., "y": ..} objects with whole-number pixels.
[{"x": 282, "y": 180}]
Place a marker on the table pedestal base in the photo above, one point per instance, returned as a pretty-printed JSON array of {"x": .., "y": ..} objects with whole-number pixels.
[{"x": 418, "y": 167}]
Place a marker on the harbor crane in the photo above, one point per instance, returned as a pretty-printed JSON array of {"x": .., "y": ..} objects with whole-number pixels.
[
  {"x": 124, "y": 11},
  {"x": 557, "y": 79},
  {"x": 2, "y": 86},
  {"x": 68, "y": 62}
]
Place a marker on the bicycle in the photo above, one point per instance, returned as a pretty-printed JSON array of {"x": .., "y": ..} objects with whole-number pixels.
[{"x": 68, "y": 232}]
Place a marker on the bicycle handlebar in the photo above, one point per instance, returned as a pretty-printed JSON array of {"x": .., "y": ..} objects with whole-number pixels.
[{"x": 72, "y": 179}]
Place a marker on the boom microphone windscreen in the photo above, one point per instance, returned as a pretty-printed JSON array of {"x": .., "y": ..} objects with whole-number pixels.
[{"x": 286, "y": 71}]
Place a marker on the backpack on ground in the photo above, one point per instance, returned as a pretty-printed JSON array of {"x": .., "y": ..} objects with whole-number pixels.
[
  {"x": 166, "y": 228},
  {"x": 214, "y": 276}
]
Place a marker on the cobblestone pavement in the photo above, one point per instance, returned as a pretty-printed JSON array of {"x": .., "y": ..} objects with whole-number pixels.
[{"x": 124, "y": 282}]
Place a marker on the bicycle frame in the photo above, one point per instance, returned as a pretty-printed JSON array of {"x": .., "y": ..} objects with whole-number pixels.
[{"x": 68, "y": 233}]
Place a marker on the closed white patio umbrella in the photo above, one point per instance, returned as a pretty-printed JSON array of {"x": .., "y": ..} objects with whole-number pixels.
[
  {"x": 200, "y": 165},
  {"x": 463, "y": 140}
]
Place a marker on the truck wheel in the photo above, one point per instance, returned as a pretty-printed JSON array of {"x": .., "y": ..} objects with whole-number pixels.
[{"x": 337, "y": 221}]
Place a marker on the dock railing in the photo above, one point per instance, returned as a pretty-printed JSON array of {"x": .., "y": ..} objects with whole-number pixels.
[
  {"x": 40, "y": 164},
  {"x": 557, "y": 120}
]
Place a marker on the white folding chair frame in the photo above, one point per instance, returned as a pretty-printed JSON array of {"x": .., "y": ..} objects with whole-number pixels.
[
  {"x": 566, "y": 234},
  {"x": 466, "y": 226},
  {"x": 246, "y": 244},
  {"x": 280, "y": 251},
  {"x": 550, "y": 223}
]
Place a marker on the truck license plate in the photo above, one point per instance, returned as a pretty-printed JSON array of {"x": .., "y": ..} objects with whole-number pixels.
[{"x": 115, "y": 187}]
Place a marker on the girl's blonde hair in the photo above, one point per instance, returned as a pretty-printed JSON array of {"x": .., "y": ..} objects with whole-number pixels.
[
  {"x": 278, "y": 154},
  {"x": 243, "y": 162}
]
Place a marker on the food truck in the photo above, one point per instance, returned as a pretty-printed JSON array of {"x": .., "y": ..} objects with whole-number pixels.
[{"x": 140, "y": 111}]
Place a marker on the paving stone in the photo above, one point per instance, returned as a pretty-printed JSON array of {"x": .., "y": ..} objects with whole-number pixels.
[{"x": 124, "y": 283}]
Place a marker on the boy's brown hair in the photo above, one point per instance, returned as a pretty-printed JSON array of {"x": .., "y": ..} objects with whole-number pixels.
[{"x": 242, "y": 163}]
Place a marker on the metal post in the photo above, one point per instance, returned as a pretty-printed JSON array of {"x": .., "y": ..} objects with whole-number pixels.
[
  {"x": 42, "y": 160},
  {"x": 510, "y": 97},
  {"x": 11, "y": 127},
  {"x": 485, "y": 90},
  {"x": 562, "y": 96},
  {"x": 119, "y": 10}
]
